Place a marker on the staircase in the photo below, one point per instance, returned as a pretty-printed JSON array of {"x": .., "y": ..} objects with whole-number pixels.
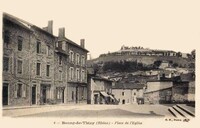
[{"x": 178, "y": 111}]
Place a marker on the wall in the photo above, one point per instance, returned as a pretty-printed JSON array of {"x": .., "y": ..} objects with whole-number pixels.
[
  {"x": 11, "y": 76},
  {"x": 191, "y": 91},
  {"x": 180, "y": 92},
  {"x": 158, "y": 97},
  {"x": 127, "y": 95},
  {"x": 157, "y": 85},
  {"x": 44, "y": 59}
]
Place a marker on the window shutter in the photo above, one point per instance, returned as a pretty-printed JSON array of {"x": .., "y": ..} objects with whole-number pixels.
[
  {"x": 15, "y": 92},
  {"x": 24, "y": 91}
]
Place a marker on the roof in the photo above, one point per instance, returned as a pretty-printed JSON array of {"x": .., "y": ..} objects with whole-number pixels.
[
  {"x": 59, "y": 50},
  {"x": 23, "y": 23},
  {"x": 187, "y": 77},
  {"x": 104, "y": 94},
  {"x": 102, "y": 79},
  {"x": 128, "y": 86},
  {"x": 16, "y": 21},
  {"x": 73, "y": 43},
  {"x": 158, "y": 89}
]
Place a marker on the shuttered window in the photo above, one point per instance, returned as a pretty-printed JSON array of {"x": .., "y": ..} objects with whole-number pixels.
[
  {"x": 5, "y": 63},
  {"x": 19, "y": 66},
  {"x": 20, "y": 41}
]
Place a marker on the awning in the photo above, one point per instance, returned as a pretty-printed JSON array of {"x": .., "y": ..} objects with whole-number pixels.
[
  {"x": 111, "y": 97},
  {"x": 104, "y": 94}
]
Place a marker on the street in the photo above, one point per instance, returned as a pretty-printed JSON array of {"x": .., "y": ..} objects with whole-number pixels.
[{"x": 83, "y": 110}]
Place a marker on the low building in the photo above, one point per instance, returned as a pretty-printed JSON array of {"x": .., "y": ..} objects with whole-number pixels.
[
  {"x": 128, "y": 93},
  {"x": 166, "y": 91},
  {"x": 164, "y": 64},
  {"x": 100, "y": 91}
]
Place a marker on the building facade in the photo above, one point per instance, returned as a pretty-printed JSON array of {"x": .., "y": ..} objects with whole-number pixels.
[
  {"x": 37, "y": 65},
  {"x": 128, "y": 93},
  {"x": 16, "y": 47},
  {"x": 76, "y": 68},
  {"x": 100, "y": 91},
  {"x": 158, "y": 92}
]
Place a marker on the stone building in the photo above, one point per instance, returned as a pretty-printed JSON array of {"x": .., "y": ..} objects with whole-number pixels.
[
  {"x": 167, "y": 91},
  {"x": 37, "y": 65},
  {"x": 16, "y": 64},
  {"x": 128, "y": 93},
  {"x": 76, "y": 67},
  {"x": 100, "y": 91}
]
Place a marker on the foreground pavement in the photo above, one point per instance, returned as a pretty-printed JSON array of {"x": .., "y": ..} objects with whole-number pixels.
[{"x": 115, "y": 111}]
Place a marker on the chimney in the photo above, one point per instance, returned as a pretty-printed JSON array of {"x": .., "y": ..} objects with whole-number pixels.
[
  {"x": 61, "y": 32},
  {"x": 82, "y": 43},
  {"x": 50, "y": 26}
]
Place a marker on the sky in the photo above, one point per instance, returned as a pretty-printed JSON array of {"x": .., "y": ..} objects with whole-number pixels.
[{"x": 106, "y": 25}]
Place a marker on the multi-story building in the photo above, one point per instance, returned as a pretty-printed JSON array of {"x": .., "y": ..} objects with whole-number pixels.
[
  {"x": 37, "y": 66},
  {"x": 16, "y": 63},
  {"x": 76, "y": 65}
]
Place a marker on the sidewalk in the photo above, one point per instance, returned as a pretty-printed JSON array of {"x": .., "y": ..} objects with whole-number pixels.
[{"x": 39, "y": 106}]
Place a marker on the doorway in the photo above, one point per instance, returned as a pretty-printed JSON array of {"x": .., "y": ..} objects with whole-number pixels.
[
  {"x": 63, "y": 96},
  {"x": 5, "y": 93},
  {"x": 44, "y": 94},
  {"x": 77, "y": 94},
  {"x": 33, "y": 94},
  {"x": 123, "y": 101},
  {"x": 96, "y": 99}
]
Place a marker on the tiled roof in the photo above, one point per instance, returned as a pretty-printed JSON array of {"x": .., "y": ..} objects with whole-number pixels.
[
  {"x": 17, "y": 21},
  {"x": 71, "y": 42},
  {"x": 59, "y": 50},
  {"x": 128, "y": 86},
  {"x": 23, "y": 23},
  {"x": 100, "y": 78}
]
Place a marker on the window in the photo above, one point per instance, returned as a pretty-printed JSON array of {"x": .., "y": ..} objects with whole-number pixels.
[
  {"x": 38, "y": 47},
  {"x": 19, "y": 90},
  {"x": 5, "y": 63},
  {"x": 60, "y": 60},
  {"x": 60, "y": 75},
  {"x": 83, "y": 60},
  {"x": 20, "y": 41},
  {"x": 72, "y": 95},
  {"x": 64, "y": 45},
  {"x": 77, "y": 74},
  {"x": 71, "y": 73},
  {"x": 56, "y": 44},
  {"x": 71, "y": 56},
  {"x": 134, "y": 93},
  {"x": 82, "y": 75},
  {"x": 19, "y": 66},
  {"x": 48, "y": 50},
  {"x": 59, "y": 93},
  {"x": 122, "y": 93},
  {"x": 6, "y": 37},
  {"x": 38, "y": 69},
  {"x": 77, "y": 59},
  {"x": 48, "y": 70}
]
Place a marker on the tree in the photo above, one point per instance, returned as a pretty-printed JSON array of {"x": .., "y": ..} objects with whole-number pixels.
[
  {"x": 193, "y": 53},
  {"x": 157, "y": 63},
  {"x": 175, "y": 65},
  {"x": 179, "y": 54}
]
